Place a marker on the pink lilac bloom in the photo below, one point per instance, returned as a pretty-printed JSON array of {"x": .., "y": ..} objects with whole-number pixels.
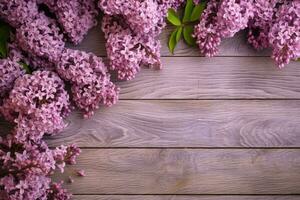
[
  {"x": 143, "y": 17},
  {"x": 261, "y": 23},
  {"x": 128, "y": 51},
  {"x": 234, "y": 16},
  {"x": 206, "y": 33},
  {"x": 57, "y": 192},
  {"x": 18, "y": 12},
  {"x": 37, "y": 105},
  {"x": 284, "y": 35},
  {"x": 76, "y": 17},
  {"x": 221, "y": 19},
  {"x": 41, "y": 37},
  {"x": 131, "y": 28},
  {"x": 80, "y": 172},
  {"x": 89, "y": 78},
  {"x": 66, "y": 155},
  {"x": 26, "y": 168},
  {"x": 10, "y": 69}
]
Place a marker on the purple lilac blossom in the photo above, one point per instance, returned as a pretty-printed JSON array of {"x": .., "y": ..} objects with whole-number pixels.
[
  {"x": 221, "y": 19},
  {"x": 284, "y": 35},
  {"x": 37, "y": 105},
  {"x": 144, "y": 17},
  {"x": 128, "y": 51},
  {"x": 10, "y": 69},
  {"x": 207, "y": 36},
  {"x": 131, "y": 28},
  {"x": 272, "y": 23},
  {"x": 41, "y": 37},
  {"x": 91, "y": 85},
  {"x": 26, "y": 168},
  {"x": 259, "y": 26},
  {"x": 76, "y": 17},
  {"x": 18, "y": 12}
]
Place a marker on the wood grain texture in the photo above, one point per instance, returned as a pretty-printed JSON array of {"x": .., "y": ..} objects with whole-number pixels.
[
  {"x": 185, "y": 123},
  {"x": 183, "y": 197},
  {"x": 236, "y": 46},
  {"x": 215, "y": 78},
  {"x": 186, "y": 171}
]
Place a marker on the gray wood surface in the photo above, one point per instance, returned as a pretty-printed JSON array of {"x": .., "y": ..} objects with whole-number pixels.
[
  {"x": 187, "y": 171},
  {"x": 223, "y": 128},
  {"x": 215, "y": 78},
  {"x": 237, "y": 46},
  {"x": 185, "y": 123},
  {"x": 183, "y": 197}
]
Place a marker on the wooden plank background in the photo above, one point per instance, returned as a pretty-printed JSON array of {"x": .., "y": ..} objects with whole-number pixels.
[
  {"x": 184, "y": 197},
  {"x": 200, "y": 129}
]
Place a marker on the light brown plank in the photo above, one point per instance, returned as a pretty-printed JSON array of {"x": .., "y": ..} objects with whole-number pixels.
[
  {"x": 187, "y": 124},
  {"x": 182, "y": 197},
  {"x": 215, "y": 78},
  {"x": 187, "y": 171},
  {"x": 237, "y": 46}
]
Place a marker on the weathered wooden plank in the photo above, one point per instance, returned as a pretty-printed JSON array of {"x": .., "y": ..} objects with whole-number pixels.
[
  {"x": 215, "y": 78},
  {"x": 187, "y": 124},
  {"x": 184, "y": 197},
  {"x": 186, "y": 171},
  {"x": 237, "y": 46}
]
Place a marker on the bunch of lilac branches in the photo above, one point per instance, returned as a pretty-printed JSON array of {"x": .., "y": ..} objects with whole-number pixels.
[
  {"x": 37, "y": 102},
  {"x": 272, "y": 23}
]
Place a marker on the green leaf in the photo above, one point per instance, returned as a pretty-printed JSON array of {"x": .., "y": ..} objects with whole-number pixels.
[
  {"x": 172, "y": 41},
  {"x": 173, "y": 18},
  {"x": 3, "y": 49},
  {"x": 188, "y": 11},
  {"x": 26, "y": 67},
  {"x": 4, "y": 37},
  {"x": 187, "y": 35},
  {"x": 197, "y": 11},
  {"x": 179, "y": 34}
]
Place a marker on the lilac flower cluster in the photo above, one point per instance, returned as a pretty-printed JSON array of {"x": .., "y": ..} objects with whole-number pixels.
[
  {"x": 42, "y": 40},
  {"x": 76, "y": 17},
  {"x": 25, "y": 168},
  {"x": 127, "y": 51},
  {"x": 18, "y": 12},
  {"x": 37, "y": 103},
  {"x": 284, "y": 35},
  {"x": 273, "y": 23},
  {"x": 91, "y": 85},
  {"x": 131, "y": 30}
]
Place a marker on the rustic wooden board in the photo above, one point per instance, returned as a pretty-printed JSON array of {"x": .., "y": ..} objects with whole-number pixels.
[
  {"x": 236, "y": 46},
  {"x": 185, "y": 123},
  {"x": 183, "y": 197},
  {"x": 186, "y": 171},
  {"x": 215, "y": 78}
]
